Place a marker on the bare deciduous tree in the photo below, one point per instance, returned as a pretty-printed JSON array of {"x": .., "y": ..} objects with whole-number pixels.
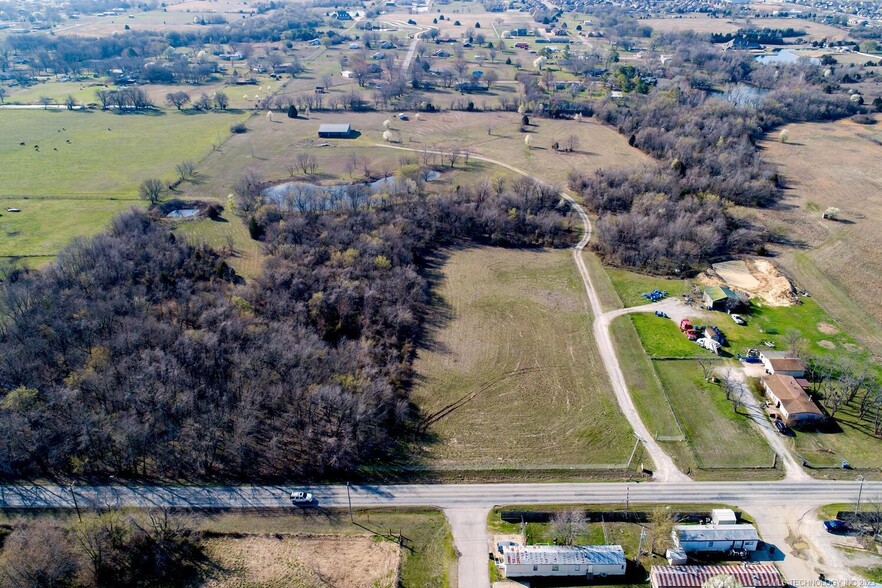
[
  {"x": 307, "y": 162},
  {"x": 152, "y": 190},
  {"x": 221, "y": 100},
  {"x": 661, "y": 524},
  {"x": 177, "y": 99},
  {"x": 567, "y": 525},
  {"x": 186, "y": 169},
  {"x": 37, "y": 553}
]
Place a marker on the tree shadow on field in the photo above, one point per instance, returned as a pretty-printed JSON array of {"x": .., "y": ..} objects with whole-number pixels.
[{"x": 151, "y": 112}]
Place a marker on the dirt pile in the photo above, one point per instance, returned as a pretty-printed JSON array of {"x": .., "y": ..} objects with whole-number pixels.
[{"x": 758, "y": 278}]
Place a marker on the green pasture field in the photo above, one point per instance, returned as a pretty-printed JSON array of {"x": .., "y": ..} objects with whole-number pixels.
[
  {"x": 46, "y": 225},
  {"x": 107, "y": 154}
]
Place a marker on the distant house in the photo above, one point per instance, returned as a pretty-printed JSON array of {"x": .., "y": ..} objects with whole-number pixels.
[
  {"x": 721, "y": 298},
  {"x": 342, "y": 15},
  {"x": 335, "y": 131},
  {"x": 782, "y": 364},
  {"x": 715, "y": 538},
  {"x": 791, "y": 401},
  {"x": 742, "y": 44},
  {"x": 748, "y": 575},
  {"x": 586, "y": 561}
]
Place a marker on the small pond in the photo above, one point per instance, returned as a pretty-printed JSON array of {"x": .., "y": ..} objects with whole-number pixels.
[
  {"x": 785, "y": 56},
  {"x": 283, "y": 194},
  {"x": 183, "y": 213},
  {"x": 741, "y": 95}
]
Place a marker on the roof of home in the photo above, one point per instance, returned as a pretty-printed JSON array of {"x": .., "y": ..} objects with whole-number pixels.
[
  {"x": 768, "y": 354},
  {"x": 335, "y": 128},
  {"x": 719, "y": 293},
  {"x": 742, "y": 532},
  {"x": 786, "y": 364},
  {"x": 755, "y": 575},
  {"x": 793, "y": 398},
  {"x": 564, "y": 554}
]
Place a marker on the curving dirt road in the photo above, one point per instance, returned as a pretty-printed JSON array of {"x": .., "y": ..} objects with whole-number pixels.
[{"x": 665, "y": 469}]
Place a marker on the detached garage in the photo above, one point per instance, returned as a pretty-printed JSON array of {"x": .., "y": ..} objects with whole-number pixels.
[
  {"x": 335, "y": 131},
  {"x": 587, "y": 561}
]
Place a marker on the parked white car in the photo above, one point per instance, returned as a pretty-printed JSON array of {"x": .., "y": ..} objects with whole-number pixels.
[
  {"x": 301, "y": 497},
  {"x": 739, "y": 319}
]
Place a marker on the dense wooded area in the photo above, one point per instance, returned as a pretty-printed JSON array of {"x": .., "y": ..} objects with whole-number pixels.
[
  {"x": 672, "y": 216},
  {"x": 111, "y": 548},
  {"x": 136, "y": 354}
]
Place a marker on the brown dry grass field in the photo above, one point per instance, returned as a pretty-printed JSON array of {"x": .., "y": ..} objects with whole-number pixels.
[
  {"x": 154, "y": 20},
  {"x": 839, "y": 262},
  {"x": 301, "y": 562},
  {"x": 469, "y": 14},
  {"x": 702, "y": 23},
  {"x": 209, "y": 6},
  {"x": 269, "y": 146},
  {"x": 512, "y": 377}
]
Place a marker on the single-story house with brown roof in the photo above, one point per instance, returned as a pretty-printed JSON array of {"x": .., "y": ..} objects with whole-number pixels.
[
  {"x": 789, "y": 399},
  {"x": 782, "y": 363}
]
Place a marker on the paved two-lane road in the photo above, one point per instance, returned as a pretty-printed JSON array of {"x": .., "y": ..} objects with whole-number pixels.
[
  {"x": 781, "y": 509},
  {"x": 440, "y": 495}
]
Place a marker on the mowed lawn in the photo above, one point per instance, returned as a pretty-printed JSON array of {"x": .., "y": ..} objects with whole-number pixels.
[
  {"x": 512, "y": 376},
  {"x": 631, "y": 286},
  {"x": 93, "y": 153},
  {"x": 675, "y": 403},
  {"x": 819, "y": 333},
  {"x": 44, "y": 226},
  {"x": 718, "y": 436}
]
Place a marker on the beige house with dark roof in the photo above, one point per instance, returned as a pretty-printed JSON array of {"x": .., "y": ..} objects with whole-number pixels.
[{"x": 791, "y": 401}]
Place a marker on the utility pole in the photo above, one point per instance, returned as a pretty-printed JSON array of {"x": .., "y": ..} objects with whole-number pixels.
[
  {"x": 349, "y": 498},
  {"x": 627, "y": 501},
  {"x": 860, "y": 491},
  {"x": 640, "y": 544},
  {"x": 73, "y": 495}
]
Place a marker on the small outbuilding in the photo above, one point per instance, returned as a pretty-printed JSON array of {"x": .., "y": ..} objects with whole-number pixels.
[
  {"x": 715, "y": 538},
  {"x": 586, "y": 561},
  {"x": 724, "y": 516},
  {"x": 747, "y": 575},
  {"x": 721, "y": 298},
  {"x": 335, "y": 131},
  {"x": 791, "y": 401}
]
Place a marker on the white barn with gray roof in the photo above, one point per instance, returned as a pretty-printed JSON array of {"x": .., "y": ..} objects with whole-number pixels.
[{"x": 587, "y": 561}]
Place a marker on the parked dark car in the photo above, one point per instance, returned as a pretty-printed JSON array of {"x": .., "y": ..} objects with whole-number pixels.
[
  {"x": 836, "y": 526},
  {"x": 782, "y": 428}
]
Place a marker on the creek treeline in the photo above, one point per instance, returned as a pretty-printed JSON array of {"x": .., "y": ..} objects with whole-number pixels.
[{"x": 137, "y": 353}]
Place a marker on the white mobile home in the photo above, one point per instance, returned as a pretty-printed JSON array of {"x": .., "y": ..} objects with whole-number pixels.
[
  {"x": 715, "y": 538},
  {"x": 587, "y": 561}
]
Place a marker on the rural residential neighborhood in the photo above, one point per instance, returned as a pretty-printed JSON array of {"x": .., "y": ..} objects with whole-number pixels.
[{"x": 440, "y": 293}]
